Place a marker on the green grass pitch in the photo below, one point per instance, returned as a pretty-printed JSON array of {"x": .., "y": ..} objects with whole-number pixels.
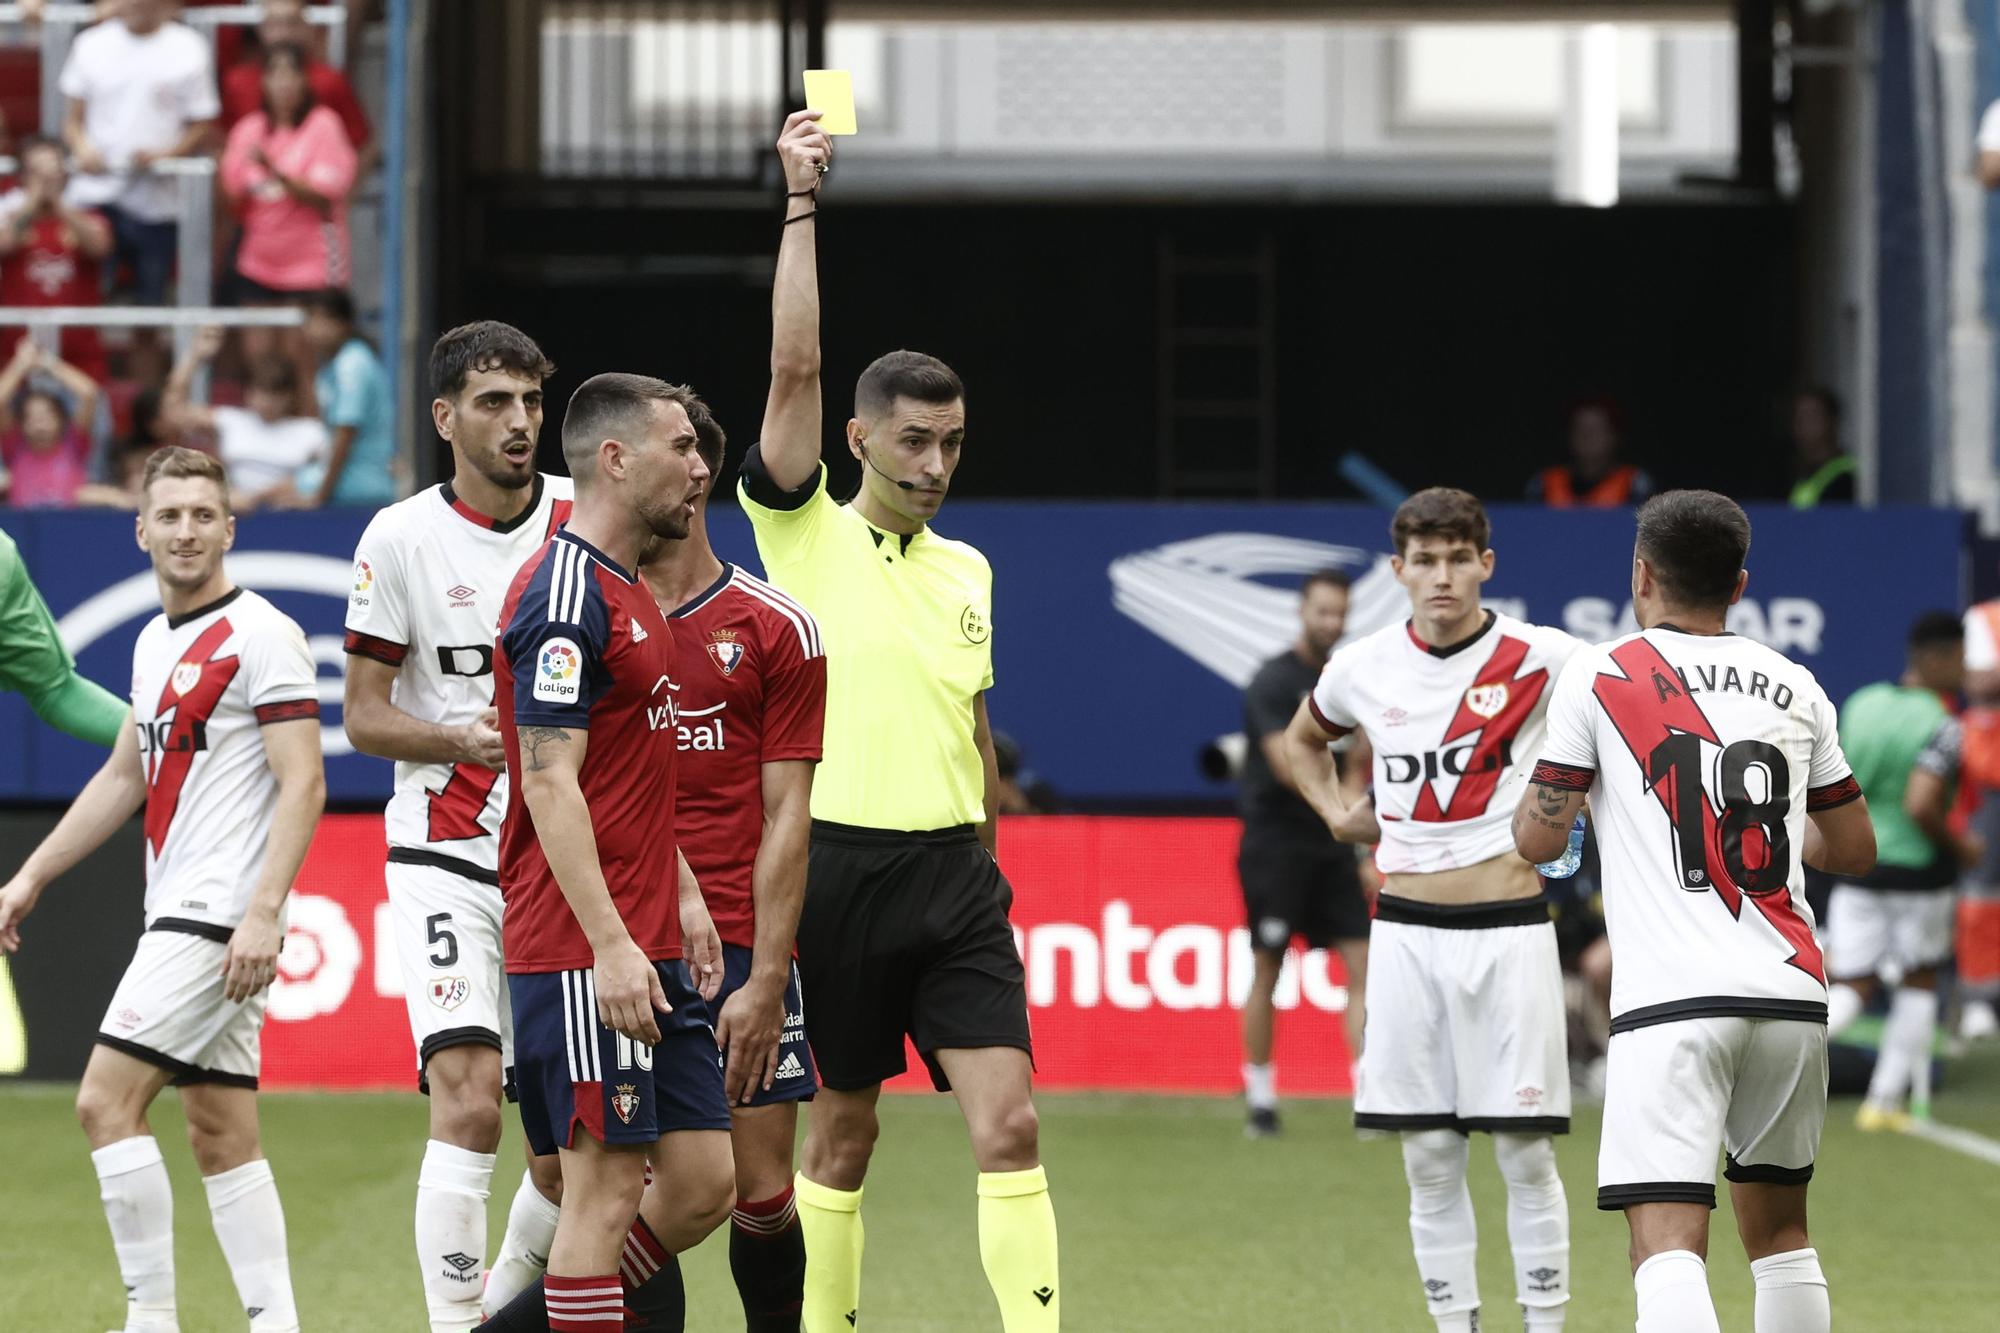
[{"x": 1170, "y": 1220}]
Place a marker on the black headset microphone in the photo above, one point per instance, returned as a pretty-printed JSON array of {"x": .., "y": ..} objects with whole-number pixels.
[{"x": 908, "y": 486}]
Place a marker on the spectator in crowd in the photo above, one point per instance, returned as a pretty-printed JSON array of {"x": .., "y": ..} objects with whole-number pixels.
[
  {"x": 1595, "y": 476},
  {"x": 128, "y": 459},
  {"x": 139, "y": 89},
  {"x": 44, "y": 438},
  {"x": 49, "y": 250},
  {"x": 288, "y": 169},
  {"x": 1022, "y": 790},
  {"x": 284, "y": 24},
  {"x": 1822, "y": 472},
  {"x": 353, "y": 391},
  {"x": 266, "y": 444}
]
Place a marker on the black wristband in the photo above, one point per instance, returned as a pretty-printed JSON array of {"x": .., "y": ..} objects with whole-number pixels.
[
  {"x": 809, "y": 213},
  {"x": 801, "y": 194}
]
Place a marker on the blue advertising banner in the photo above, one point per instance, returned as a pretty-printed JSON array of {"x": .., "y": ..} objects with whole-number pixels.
[{"x": 1123, "y": 633}]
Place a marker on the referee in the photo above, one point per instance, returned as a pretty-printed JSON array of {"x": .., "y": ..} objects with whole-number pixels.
[{"x": 904, "y": 930}]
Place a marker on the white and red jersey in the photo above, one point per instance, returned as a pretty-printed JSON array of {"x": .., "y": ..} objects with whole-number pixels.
[
  {"x": 1702, "y": 754},
  {"x": 1453, "y": 730},
  {"x": 430, "y": 575},
  {"x": 753, "y": 691},
  {"x": 202, "y": 685}
]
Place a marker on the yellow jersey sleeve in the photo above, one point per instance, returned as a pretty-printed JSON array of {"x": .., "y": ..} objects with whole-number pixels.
[{"x": 787, "y": 534}]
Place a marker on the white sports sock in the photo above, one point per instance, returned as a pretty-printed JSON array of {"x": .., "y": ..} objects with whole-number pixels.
[
  {"x": 1672, "y": 1287},
  {"x": 1260, "y": 1087},
  {"x": 139, "y": 1205},
  {"x": 1443, "y": 1232},
  {"x": 524, "y": 1250},
  {"x": 452, "y": 1186},
  {"x": 1843, "y": 1005},
  {"x": 1464, "y": 1321},
  {"x": 1906, "y": 1042},
  {"x": 250, "y": 1225},
  {"x": 1537, "y": 1225},
  {"x": 1791, "y": 1293}
]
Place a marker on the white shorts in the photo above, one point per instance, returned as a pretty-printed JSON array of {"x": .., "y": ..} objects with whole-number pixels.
[
  {"x": 1677, "y": 1093},
  {"x": 447, "y": 932},
  {"x": 1466, "y": 1028},
  {"x": 169, "y": 1011},
  {"x": 1869, "y": 929}
]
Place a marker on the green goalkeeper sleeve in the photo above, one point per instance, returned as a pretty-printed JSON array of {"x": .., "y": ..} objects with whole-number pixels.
[{"x": 35, "y": 664}]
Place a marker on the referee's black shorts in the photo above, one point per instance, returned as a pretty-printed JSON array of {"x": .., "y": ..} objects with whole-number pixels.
[{"x": 906, "y": 933}]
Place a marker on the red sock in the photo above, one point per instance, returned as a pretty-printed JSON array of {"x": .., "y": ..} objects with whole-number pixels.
[
  {"x": 766, "y": 1217},
  {"x": 585, "y": 1304},
  {"x": 643, "y": 1256}
]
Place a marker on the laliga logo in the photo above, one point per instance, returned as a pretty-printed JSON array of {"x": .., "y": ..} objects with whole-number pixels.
[
  {"x": 260, "y": 571},
  {"x": 316, "y": 967}
]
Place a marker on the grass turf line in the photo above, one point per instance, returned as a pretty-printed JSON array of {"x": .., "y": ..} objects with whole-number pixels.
[{"x": 1170, "y": 1219}]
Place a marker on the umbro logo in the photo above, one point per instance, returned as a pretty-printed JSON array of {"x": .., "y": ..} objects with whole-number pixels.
[
  {"x": 1439, "y": 1290},
  {"x": 1544, "y": 1279},
  {"x": 461, "y": 595},
  {"x": 850, "y": 1317},
  {"x": 1045, "y": 1294},
  {"x": 790, "y": 1067},
  {"x": 638, "y": 632},
  {"x": 253, "y": 1311},
  {"x": 462, "y": 1261}
]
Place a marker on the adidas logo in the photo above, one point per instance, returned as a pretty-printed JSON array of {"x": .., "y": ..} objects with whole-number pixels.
[
  {"x": 790, "y": 1066},
  {"x": 1045, "y": 1294},
  {"x": 638, "y": 632}
]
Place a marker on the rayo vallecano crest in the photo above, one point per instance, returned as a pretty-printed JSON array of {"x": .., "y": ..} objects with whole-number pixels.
[
  {"x": 626, "y": 1101},
  {"x": 1486, "y": 700},
  {"x": 187, "y": 675},
  {"x": 725, "y": 650}
]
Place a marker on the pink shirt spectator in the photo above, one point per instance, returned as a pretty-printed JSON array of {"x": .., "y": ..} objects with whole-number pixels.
[
  {"x": 289, "y": 245},
  {"x": 45, "y": 480}
]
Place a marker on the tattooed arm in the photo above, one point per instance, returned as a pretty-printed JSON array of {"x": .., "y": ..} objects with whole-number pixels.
[{"x": 1542, "y": 820}]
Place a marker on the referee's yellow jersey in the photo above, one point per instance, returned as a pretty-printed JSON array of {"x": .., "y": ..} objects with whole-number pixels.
[{"x": 908, "y": 627}]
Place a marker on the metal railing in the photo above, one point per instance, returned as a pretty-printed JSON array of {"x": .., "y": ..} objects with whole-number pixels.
[{"x": 61, "y": 22}]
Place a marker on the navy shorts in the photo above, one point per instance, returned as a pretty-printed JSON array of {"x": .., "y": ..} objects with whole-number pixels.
[
  {"x": 796, "y": 1080},
  {"x": 572, "y": 1070}
]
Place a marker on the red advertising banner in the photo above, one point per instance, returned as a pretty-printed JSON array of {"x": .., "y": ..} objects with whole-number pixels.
[{"x": 1131, "y": 930}]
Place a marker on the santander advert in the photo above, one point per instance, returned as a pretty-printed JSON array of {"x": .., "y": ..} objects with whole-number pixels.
[{"x": 1131, "y": 930}]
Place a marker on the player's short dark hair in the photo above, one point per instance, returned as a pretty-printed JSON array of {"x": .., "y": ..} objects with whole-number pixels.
[
  {"x": 174, "y": 461},
  {"x": 615, "y": 404},
  {"x": 481, "y": 346},
  {"x": 904, "y": 375},
  {"x": 1441, "y": 511},
  {"x": 1936, "y": 629},
  {"x": 1695, "y": 543},
  {"x": 333, "y": 302},
  {"x": 710, "y": 440},
  {"x": 1326, "y": 578}
]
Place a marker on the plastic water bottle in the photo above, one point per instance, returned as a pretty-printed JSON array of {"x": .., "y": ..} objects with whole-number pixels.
[{"x": 1565, "y": 865}]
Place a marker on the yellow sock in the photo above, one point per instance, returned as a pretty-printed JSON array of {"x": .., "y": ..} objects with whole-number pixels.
[
  {"x": 831, "y": 1221},
  {"x": 1017, "y": 1244}
]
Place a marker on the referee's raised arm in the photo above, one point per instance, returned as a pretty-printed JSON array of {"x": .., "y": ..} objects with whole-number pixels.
[{"x": 790, "y": 442}]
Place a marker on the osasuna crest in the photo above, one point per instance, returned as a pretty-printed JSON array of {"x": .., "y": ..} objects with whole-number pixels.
[
  {"x": 625, "y": 1101},
  {"x": 1486, "y": 700},
  {"x": 187, "y": 675},
  {"x": 725, "y": 650}
]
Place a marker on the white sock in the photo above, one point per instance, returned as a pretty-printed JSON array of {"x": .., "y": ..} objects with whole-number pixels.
[
  {"x": 1443, "y": 1232},
  {"x": 250, "y": 1225},
  {"x": 1843, "y": 1005},
  {"x": 139, "y": 1204},
  {"x": 1462, "y": 1321},
  {"x": 524, "y": 1251},
  {"x": 1791, "y": 1293},
  {"x": 1673, "y": 1294},
  {"x": 1260, "y": 1087},
  {"x": 1906, "y": 1043},
  {"x": 1537, "y": 1226},
  {"x": 452, "y": 1186}
]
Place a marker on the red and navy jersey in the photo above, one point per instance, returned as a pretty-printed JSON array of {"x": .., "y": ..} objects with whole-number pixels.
[
  {"x": 582, "y": 646},
  {"x": 753, "y": 691}
]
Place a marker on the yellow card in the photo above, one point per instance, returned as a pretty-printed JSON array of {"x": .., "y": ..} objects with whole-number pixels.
[{"x": 831, "y": 93}]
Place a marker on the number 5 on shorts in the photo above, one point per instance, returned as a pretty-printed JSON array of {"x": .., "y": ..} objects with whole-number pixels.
[{"x": 444, "y": 944}]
